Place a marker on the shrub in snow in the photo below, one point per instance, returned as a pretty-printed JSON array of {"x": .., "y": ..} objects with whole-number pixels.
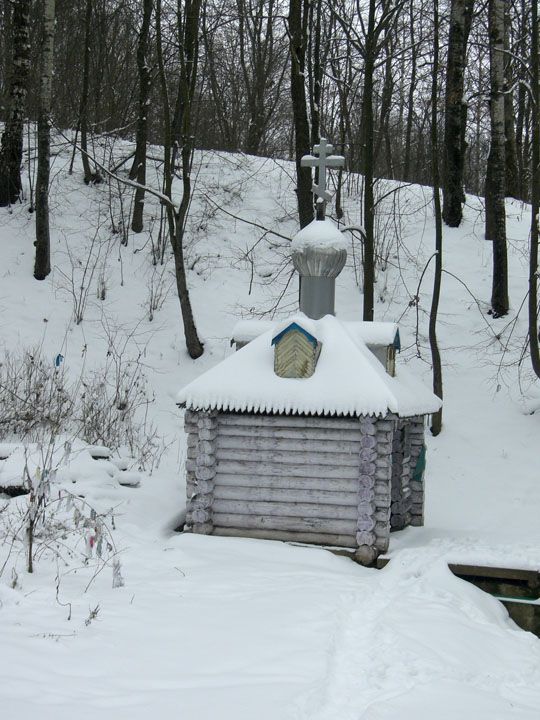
[{"x": 108, "y": 406}]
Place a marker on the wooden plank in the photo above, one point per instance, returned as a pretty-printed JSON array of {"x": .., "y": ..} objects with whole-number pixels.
[
  {"x": 325, "y": 539},
  {"x": 287, "y": 421},
  {"x": 284, "y": 509},
  {"x": 295, "y": 524},
  {"x": 532, "y": 576},
  {"x": 255, "y": 467},
  {"x": 287, "y": 482},
  {"x": 256, "y": 443},
  {"x": 293, "y": 433},
  {"x": 294, "y": 456},
  {"x": 282, "y": 495}
]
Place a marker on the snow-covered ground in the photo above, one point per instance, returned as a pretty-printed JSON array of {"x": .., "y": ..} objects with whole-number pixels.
[{"x": 207, "y": 627}]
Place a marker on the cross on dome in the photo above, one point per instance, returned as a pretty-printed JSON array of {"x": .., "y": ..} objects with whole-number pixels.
[{"x": 322, "y": 158}]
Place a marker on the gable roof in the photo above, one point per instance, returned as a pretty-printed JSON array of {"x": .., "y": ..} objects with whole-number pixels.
[
  {"x": 295, "y": 325},
  {"x": 349, "y": 380}
]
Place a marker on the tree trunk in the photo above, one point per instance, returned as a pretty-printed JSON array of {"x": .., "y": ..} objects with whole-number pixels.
[
  {"x": 367, "y": 150},
  {"x": 42, "y": 266},
  {"x": 138, "y": 169},
  {"x": 182, "y": 136},
  {"x": 298, "y": 36},
  {"x": 410, "y": 102},
  {"x": 436, "y": 421},
  {"x": 512, "y": 176},
  {"x": 535, "y": 194},
  {"x": 495, "y": 181},
  {"x": 455, "y": 112},
  {"x": 83, "y": 110},
  {"x": 11, "y": 146}
]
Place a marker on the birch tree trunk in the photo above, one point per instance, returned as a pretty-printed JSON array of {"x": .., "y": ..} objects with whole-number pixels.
[
  {"x": 42, "y": 266},
  {"x": 535, "y": 194},
  {"x": 138, "y": 170},
  {"x": 11, "y": 146},
  {"x": 495, "y": 179},
  {"x": 455, "y": 112},
  {"x": 436, "y": 422}
]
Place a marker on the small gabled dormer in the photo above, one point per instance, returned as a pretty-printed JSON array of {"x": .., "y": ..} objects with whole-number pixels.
[
  {"x": 386, "y": 354},
  {"x": 296, "y": 352}
]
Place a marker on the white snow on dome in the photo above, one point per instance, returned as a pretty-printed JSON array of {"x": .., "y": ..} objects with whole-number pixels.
[
  {"x": 320, "y": 234},
  {"x": 348, "y": 380}
]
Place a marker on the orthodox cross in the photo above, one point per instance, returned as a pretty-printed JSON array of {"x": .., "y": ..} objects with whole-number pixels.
[{"x": 324, "y": 160}]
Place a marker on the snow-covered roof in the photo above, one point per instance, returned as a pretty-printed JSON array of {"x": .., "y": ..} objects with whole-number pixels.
[
  {"x": 348, "y": 380},
  {"x": 320, "y": 234},
  {"x": 372, "y": 333},
  {"x": 247, "y": 330}
]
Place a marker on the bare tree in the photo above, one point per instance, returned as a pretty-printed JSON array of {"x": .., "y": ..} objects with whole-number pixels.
[
  {"x": 436, "y": 422},
  {"x": 42, "y": 266},
  {"x": 178, "y": 139},
  {"x": 535, "y": 195},
  {"x": 455, "y": 111},
  {"x": 11, "y": 146},
  {"x": 298, "y": 24},
  {"x": 138, "y": 169},
  {"x": 495, "y": 179}
]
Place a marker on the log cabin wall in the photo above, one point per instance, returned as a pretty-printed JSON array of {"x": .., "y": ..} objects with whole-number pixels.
[
  {"x": 288, "y": 478},
  {"x": 320, "y": 480}
]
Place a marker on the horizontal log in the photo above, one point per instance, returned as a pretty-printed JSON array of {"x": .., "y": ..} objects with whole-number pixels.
[
  {"x": 365, "y": 523},
  {"x": 295, "y": 524},
  {"x": 325, "y": 539},
  {"x": 256, "y": 467},
  {"x": 205, "y": 460},
  {"x": 368, "y": 441},
  {"x": 201, "y": 515},
  {"x": 268, "y": 444},
  {"x": 205, "y": 473},
  {"x": 206, "y": 423},
  {"x": 367, "y": 468},
  {"x": 285, "y": 510},
  {"x": 202, "y": 528},
  {"x": 369, "y": 454},
  {"x": 367, "y": 428},
  {"x": 285, "y": 495},
  {"x": 286, "y": 482},
  {"x": 288, "y": 421},
  {"x": 200, "y": 502},
  {"x": 364, "y": 537},
  {"x": 385, "y": 425},
  {"x": 290, "y": 433},
  {"x": 365, "y": 507},
  {"x": 297, "y": 456},
  {"x": 365, "y": 494}
]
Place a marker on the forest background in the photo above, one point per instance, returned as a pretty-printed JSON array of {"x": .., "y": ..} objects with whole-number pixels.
[{"x": 438, "y": 93}]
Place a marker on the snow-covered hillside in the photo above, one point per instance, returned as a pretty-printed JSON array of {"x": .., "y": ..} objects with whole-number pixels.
[{"x": 237, "y": 628}]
